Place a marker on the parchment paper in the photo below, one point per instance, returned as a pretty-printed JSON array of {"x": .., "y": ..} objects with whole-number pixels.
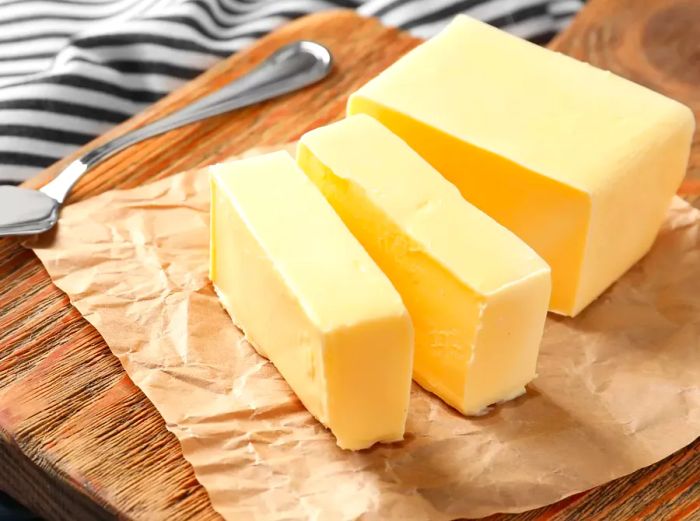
[{"x": 618, "y": 387}]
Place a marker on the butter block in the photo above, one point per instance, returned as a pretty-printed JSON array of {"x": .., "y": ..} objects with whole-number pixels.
[
  {"x": 476, "y": 293},
  {"x": 310, "y": 299},
  {"x": 578, "y": 162}
]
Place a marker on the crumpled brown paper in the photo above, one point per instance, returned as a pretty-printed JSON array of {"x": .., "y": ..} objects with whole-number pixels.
[{"x": 618, "y": 387}]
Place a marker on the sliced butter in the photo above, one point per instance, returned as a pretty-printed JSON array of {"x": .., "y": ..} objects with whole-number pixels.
[
  {"x": 476, "y": 293},
  {"x": 309, "y": 298},
  {"x": 580, "y": 163}
]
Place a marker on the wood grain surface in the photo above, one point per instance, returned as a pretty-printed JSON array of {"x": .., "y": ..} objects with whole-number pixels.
[{"x": 79, "y": 441}]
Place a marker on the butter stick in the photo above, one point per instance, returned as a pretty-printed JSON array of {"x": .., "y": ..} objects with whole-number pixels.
[
  {"x": 477, "y": 294},
  {"x": 578, "y": 162},
  {"x": 310, "y": 298}
]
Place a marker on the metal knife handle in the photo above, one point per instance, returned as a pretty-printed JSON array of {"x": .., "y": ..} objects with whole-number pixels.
[{"x": 290, "y": 68}]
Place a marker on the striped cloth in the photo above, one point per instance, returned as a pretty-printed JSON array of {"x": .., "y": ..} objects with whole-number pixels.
[{"x": 71, "y": 69}]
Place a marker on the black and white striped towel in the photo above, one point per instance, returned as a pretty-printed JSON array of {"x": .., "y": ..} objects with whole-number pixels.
[{"x": 71, "y": 69}]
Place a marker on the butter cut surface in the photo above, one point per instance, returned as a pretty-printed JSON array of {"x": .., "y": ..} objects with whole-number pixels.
[
  {"x": 310, "y": 299},
  {"x": 476, "y": 293},
  {"x": 578, "y": 162}
]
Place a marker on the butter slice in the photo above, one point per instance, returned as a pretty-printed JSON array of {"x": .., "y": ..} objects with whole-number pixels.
[
  {"x": 476, "y": 293},
  {"x": 580, "y": 163},
  {"x": 310, "y": 298}
]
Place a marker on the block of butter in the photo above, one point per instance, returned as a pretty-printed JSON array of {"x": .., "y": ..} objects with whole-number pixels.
[
  {"x": 477, "y": 294},
  {"x": 580, "y": 163},
  {"x": 310, "y": 299}
]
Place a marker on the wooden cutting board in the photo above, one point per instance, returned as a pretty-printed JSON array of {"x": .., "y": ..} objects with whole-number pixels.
[{"x": 79, "y": 441}]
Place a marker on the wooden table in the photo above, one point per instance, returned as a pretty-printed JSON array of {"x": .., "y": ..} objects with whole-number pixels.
[{"x": 79, "y": 441}]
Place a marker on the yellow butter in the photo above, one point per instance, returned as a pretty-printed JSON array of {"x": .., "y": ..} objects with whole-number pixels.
[
  {"x": 310, "y": 298},
  {"x": 580, "y": 163},
  {"x": 476, "y": 293}
]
